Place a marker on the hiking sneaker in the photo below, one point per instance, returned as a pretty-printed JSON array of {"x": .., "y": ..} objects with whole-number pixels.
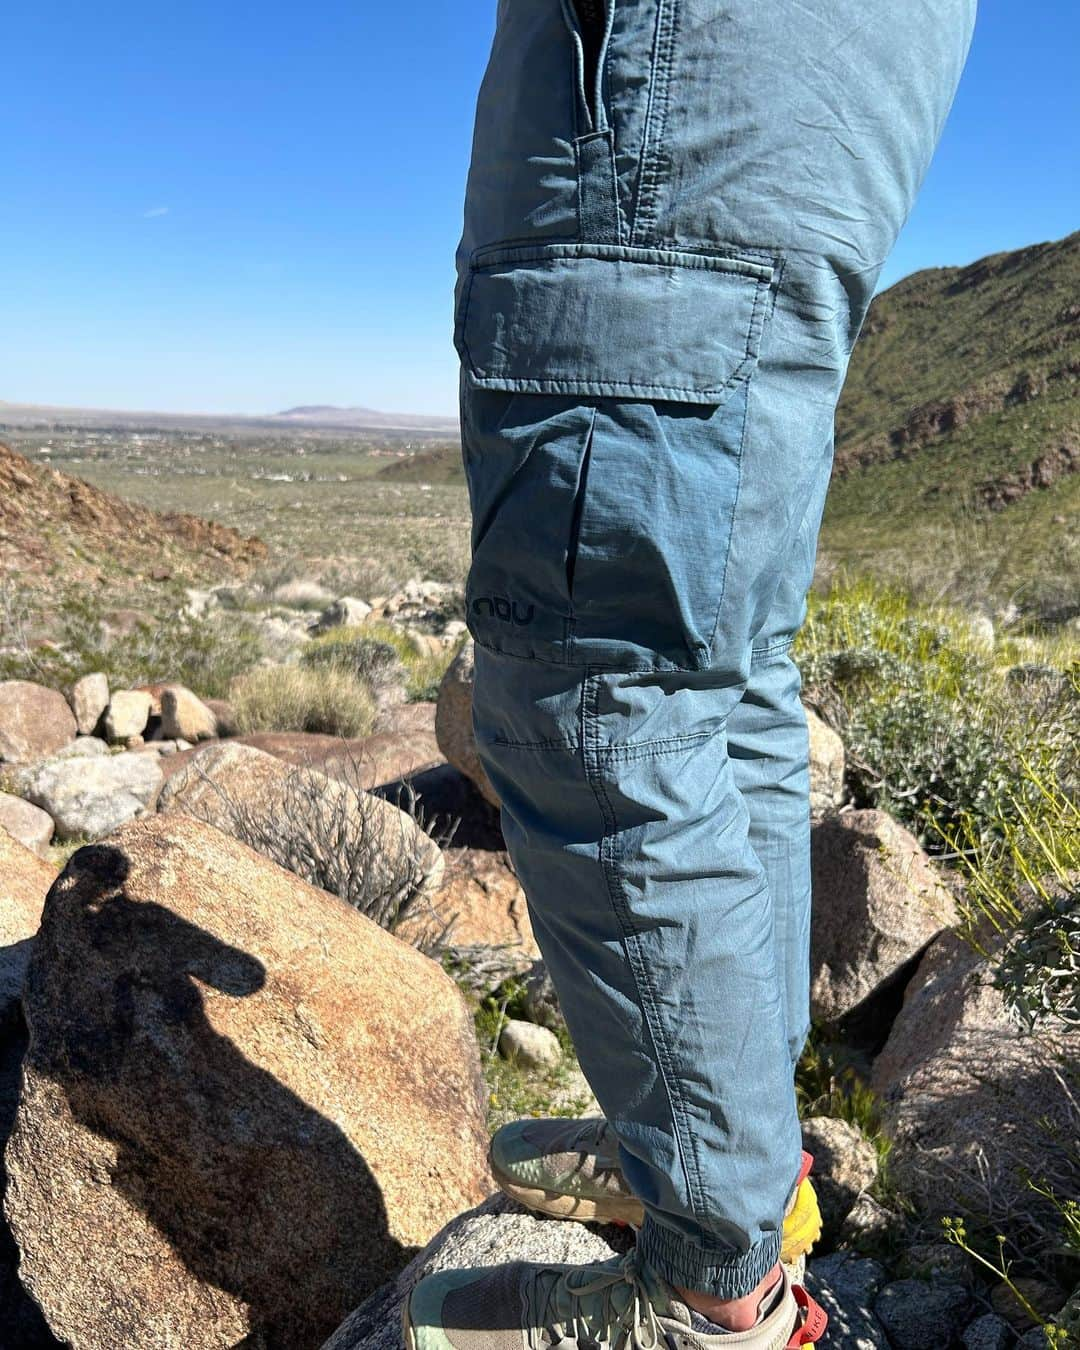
[
  {"x": 570, "y": 1169},
  {"x": 614, "y": 1304}
]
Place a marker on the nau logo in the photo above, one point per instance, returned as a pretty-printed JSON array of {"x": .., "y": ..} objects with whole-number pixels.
[{"x": 500, "y": 607}]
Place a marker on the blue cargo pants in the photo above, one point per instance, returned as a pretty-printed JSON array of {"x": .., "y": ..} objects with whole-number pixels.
[{"x": 675, "y": 217}]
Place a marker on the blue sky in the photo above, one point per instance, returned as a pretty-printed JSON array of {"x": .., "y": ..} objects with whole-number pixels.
[{"x": 240, "y": 207}]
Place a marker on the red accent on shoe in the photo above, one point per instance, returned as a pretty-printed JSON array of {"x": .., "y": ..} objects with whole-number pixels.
[
  {"x": 814, "y": 1320},
  {"x": 807, "y": 1164}
]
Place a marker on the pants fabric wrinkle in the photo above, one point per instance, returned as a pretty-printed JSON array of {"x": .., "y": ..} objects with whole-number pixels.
[{"x": 673, "y": 229}]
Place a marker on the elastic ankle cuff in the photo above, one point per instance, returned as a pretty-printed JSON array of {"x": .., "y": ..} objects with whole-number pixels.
[{"x": 717, "y": 1269}]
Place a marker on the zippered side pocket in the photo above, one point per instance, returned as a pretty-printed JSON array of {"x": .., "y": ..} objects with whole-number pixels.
[{"x": 589, "y": 22}]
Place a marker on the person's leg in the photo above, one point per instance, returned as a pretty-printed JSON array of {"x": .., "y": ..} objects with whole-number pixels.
[
  {"x": 768, "y": 745},
  {"x": 660, "y": 279}
]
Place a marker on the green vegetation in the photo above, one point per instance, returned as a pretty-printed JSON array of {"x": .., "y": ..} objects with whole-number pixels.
[
  {"x": 976, "y": 746},
  {"x": 297, "y": 698},
  {"x": 958, "y": 440},
  {"x": 377, "y": 651},
  {"x": 828, "y": 1084},
  {"x": 937, "y": 720},
  {"x": 513, "y": 1090},
  {"x": 205, "y": 654}
]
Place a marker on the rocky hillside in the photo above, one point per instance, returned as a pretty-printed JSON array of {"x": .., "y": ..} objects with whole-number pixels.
[
  {"x": 978, "y": 363},
  {"x": 55, "y": 525}
]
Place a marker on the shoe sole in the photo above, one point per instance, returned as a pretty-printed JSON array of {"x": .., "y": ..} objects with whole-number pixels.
[{"x": 802, "y": 1226}]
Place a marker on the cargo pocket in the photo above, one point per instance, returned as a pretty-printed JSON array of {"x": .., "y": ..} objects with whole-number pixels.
[{"x": 603, "y": 404}]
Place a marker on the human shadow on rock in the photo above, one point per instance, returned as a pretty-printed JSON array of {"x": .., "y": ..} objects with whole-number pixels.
[
  {"x": 256, "y": 1192},
  {"x": 22, "y": 1326}
]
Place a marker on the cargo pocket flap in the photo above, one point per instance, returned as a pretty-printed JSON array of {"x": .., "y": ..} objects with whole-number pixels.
[{"x": 609, "y": 320}]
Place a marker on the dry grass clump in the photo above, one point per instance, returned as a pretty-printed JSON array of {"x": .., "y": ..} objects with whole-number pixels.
[{"x": 301, "y": 698}]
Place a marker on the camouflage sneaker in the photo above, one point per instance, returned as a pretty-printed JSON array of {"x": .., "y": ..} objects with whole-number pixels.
[
  {"x": 570, "y": 1169},
  {"x": 615, "y": 1303}
]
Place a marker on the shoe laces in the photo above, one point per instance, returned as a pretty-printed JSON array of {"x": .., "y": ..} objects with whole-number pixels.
[
  {"x": 604, "y": 1305},
  {"x": 598, "y": 1141}
]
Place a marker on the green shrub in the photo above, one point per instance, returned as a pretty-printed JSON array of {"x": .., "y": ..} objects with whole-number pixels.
[
  {"x": 204, "y": 653},
  {"x": 934, "y": 727},
  {"x": 370, "y": 660},
  {"x": 1038, "y": 974},
  {"x": 297, "y": 698},
  {"x": 423, "y": 671}
]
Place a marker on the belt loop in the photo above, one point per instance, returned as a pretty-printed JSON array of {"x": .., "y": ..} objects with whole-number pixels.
[{"x": 598, "y": 192}]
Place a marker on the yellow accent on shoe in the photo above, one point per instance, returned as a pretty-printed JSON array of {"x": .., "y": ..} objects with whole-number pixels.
[{"x": 802, "y": 1226}]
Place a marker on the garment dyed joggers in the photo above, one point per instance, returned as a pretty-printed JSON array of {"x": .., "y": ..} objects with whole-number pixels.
[{"x": 676, "y": 214}]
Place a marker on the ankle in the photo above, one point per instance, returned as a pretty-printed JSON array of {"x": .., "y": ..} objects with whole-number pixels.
[{"x": 733, "y": 1314}]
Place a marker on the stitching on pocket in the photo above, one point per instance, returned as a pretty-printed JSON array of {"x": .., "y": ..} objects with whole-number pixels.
[
  {"x": 663, "y": 745},
  {"x": 505, "y": 743},
  {"x": 731, "y": 533},
  {"x": 760, "y": 266},
  {"x": 762, "y": 656},
  {"x": 759, "y": 272}
]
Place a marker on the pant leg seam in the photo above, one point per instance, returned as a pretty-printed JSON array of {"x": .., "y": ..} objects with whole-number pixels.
[{"x": 642, "y": 983}]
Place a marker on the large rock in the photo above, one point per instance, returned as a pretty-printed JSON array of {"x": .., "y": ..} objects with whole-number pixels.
[
  {"x": 24, "y": 882},
  {"x": 346, "y": 612},
  {"x": 224, "y": 715},
  {"x": 89, "y": 796},
  {"x": 878, "y": 902},
  {"x": 83, "y": 747},
  {"x": 454, "y": 725},
  {"x": 483, "y": 903},
  {"x": 185, "y": 717},
  {"x": 826, "y": 766},
  {"x": 297, "y": 813},
  {"x": 406, "y": 747},
  {"x": 498, "y": 1232},
  {"x": 972, "y": 1103},
  {"x": 89, "y": 699},
  {"x": 846, "y": 1165},
  {"x": 21, "y": 1324},
  {"x": 27, "y": 823},
  {"x": 529, "y": 1045},
  {"x": 34, "y": 721},
  {"x": 244, "y": 1105},
  {"x": 988, "y": 1332},
  {"x": 128, "y": 713},
  {"x": 846, "y": 1287},
  {"x": 921, "y": 1315}
]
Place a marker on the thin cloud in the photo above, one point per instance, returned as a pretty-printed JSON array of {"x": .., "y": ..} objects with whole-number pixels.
[{"x": 154, "y": 212}]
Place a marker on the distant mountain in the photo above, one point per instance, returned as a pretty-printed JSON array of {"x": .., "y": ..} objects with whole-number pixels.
[
  {"x": 313, "y": 418},
  {"x": 326, "y": 415}
]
